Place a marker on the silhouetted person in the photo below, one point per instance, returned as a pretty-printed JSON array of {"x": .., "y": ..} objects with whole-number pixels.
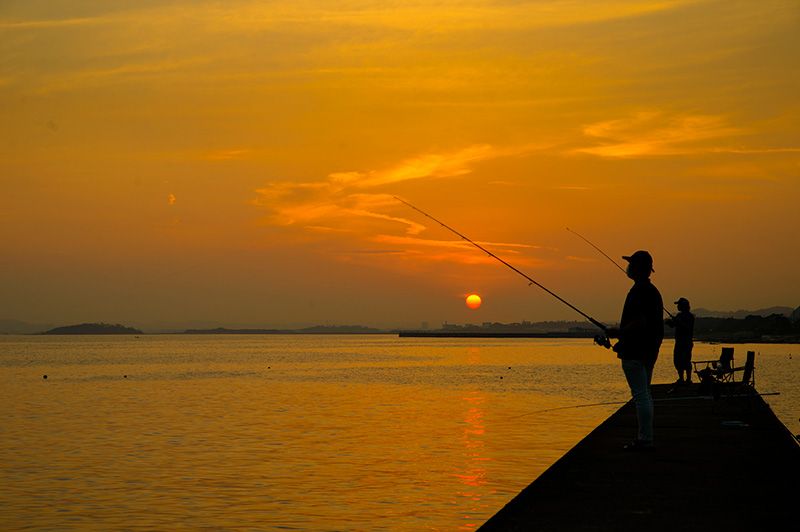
[
  {"x": 683, "y": 323},
  {"x": 641, "y": 330}
]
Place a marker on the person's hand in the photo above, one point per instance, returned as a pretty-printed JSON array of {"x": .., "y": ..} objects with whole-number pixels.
[{"x": 602, "y": 340}]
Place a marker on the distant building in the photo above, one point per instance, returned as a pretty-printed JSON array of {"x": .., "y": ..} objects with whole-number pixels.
[{"x": 795, "y": 317}]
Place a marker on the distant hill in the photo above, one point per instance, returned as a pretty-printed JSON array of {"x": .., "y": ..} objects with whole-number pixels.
[
  {"x": 753, "y": 328},
  {"x": 741, "y": 314},
  {"x": 94, "y": 328}
]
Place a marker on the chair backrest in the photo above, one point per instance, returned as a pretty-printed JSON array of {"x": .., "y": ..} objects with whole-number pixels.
[
  {"x": 726, "y": 358},
  {"x": 749, "y": 367}
]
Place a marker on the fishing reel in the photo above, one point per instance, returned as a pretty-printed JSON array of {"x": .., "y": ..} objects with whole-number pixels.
[{"x": 602, "y": 340}]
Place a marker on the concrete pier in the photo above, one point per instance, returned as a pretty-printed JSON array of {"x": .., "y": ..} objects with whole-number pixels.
[{"x": 719, "y": 464}]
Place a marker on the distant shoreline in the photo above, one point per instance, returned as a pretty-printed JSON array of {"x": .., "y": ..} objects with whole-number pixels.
[
  {"x": 737, "y": 339},
  {"x": 560, "y": 335},
  {"x": 772, "y": 329},
  {"x": 475, "y": 334}
]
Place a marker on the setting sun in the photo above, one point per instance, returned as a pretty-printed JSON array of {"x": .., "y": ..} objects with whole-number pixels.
[{"x": 474, "y": 301}]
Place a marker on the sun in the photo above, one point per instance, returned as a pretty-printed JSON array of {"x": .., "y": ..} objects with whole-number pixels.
[{"x": 474, "y": 301}]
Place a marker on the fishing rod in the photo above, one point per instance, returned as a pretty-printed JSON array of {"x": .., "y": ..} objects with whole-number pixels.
[
  {"x": 598, "y": 249},
  {"x": 661, "y": 400},
  {"x": 610, "y": 259},
  {"x": 602, "y": 341}
]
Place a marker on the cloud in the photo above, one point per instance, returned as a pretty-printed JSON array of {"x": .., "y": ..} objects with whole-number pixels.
[
  {"x": 318, "y": 36},
  {"x": 576, "y": 258},
  {"x": 347, "y": 193},
  {"x": 439, "y": 17},
  {"x": 451, "y": 244},
  {"x": 458, "y": 251},
  {"x": 432, "y": 166},
  {"x": 227, "y": 155},
  {"x": 47, "y": 24},
  {"x": 428, "y": 166},
  {"x": 79, "y": 79},
  {"x": 654, "y": 133},
  {"x": 756, "y": 151},
  {"x": 573, "y": 187},
  {"x": 354, "y": 203}
]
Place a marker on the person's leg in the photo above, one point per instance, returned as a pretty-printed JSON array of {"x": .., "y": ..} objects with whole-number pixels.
[
  {"x": 638, "y": 375},
  {"x": 689, "y": 364},
  {"x": 676, "y": 360},
  {"x": 686, "y": 362}
]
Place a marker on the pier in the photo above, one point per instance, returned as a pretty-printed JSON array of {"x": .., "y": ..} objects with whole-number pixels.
[{"x": 719, "y": 464}]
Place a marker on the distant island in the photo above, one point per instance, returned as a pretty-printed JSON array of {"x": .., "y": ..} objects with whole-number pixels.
[
  {"x": 94, "y": 328},
  {"x": 317, "y": 329}
]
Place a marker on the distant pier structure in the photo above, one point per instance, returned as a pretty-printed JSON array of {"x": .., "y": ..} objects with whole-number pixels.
[{"x": 724, "y": 463}]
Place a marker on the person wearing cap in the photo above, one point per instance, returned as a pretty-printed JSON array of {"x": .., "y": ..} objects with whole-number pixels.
[
  {"x": 640, "y": 333},
  {"x": 683, "y": 322}
]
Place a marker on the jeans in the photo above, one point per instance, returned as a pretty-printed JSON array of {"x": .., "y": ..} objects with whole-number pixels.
[{"x": 638, "y": 373}]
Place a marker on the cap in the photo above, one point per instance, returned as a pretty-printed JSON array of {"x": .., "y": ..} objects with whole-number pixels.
[
  {"x": 682, "y": 300},
  {"x": 641, "y": 257}
]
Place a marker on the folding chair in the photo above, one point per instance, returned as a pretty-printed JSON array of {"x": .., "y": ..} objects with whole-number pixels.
[
  {"x": 716, "y": 370},
  {"x": 748, "y": 370}
]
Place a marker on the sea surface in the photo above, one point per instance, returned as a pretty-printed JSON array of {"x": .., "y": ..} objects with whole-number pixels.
[{"x": 268, "y": 432}]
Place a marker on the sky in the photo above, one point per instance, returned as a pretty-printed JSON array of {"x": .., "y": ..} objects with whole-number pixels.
[{"x": 236, "y": 163}]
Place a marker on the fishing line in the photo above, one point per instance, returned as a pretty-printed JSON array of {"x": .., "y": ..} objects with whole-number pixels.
[
  {"x": 598, "y": 249},
  {"x": 610, "y": 259},
  {"x": 531, "y": 281}
]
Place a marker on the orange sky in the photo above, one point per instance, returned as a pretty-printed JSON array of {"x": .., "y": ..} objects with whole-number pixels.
[{"x": 166, "y": 162}]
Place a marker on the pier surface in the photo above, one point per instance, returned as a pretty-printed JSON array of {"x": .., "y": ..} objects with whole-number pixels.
[{"x": 719, "y": 464}]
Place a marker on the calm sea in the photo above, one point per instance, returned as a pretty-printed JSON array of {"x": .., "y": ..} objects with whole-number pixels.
[{"x": 301, "y": 432}]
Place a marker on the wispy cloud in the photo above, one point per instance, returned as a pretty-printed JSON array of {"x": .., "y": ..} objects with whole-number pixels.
[
  {"x": 431, "y": 165},
  {"x": 442, "y": 16},
  {"x": 573, "y": 187},
  {"x": 576, "y": 258},
  {"x": 451, "y": 244},
  {"x": 320, "y": 33},
  {"x": 459, "y": 251},
  {"x": 352, "y": 202},
  {"x": 117, "y": 74},
  {"x": 654, "y": 133},
  {"x": 756, "y": 151},
  {"x": 227, "y": 155},
  {"x": 46, "y": 24}
]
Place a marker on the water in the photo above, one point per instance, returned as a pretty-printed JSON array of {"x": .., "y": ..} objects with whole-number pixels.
[{"x": 301, "y": 432}]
